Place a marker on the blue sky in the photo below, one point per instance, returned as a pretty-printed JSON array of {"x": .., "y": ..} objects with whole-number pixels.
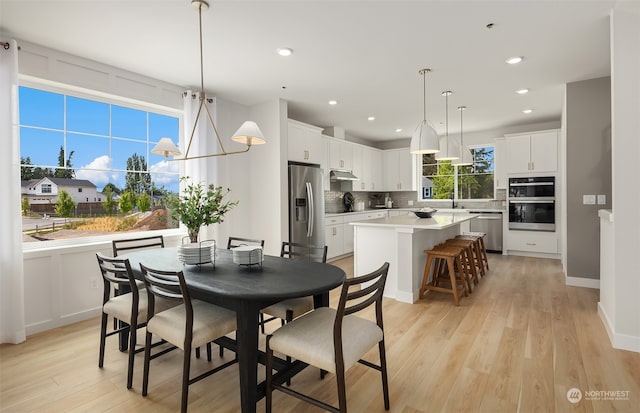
[{"x": 102, "y": 135}]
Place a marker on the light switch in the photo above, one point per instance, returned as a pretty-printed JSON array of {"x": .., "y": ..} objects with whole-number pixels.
[
  {"x": 410, "y": 202},
  {"x": 588, "y": 199},
  {"x": 602, "y": 199}
]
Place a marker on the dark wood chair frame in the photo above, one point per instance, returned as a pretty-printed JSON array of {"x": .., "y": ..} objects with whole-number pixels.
[
  {"x": 171, "y": 285},
  {"x": 365, "y": 297},
  {"x": 117, "y": 272},
  {"x": 128, "y": 244},
  {"x": 120, "y": 245},
  {"x": 296, "y": 251}
]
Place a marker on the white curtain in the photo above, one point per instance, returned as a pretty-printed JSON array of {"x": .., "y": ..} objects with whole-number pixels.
[
  {"x": 12, "y": 325},
  {"x": 196, "y": 169}
]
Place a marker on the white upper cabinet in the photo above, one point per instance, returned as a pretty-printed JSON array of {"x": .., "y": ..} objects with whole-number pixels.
[
  {"x": 373, "y": 170},
  {"x": 359, "y": 169},
  {"x": 398, "y": 170},
  {"x": 324, "y": 163},
  {"x": 304, "y": 142},
  {"x": 340, "y": 154},
  {"x": 532, "y": 152},
  {"x": 367, "y": 166},
  {"x": 499, "y": 161}
]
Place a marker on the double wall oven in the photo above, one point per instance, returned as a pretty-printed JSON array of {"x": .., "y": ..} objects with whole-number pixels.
[{"x": 532, "y": 204}]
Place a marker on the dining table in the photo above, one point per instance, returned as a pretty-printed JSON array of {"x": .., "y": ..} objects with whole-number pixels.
[{"x": 246, "y": 289}]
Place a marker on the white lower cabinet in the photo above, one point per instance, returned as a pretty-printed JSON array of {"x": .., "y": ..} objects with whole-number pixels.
[
  {"x": 334, "y": 236},
  {"x": 339, "y": 232},
  {"x": 532, "y": 241}
]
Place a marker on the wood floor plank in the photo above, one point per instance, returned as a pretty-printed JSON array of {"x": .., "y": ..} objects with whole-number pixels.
[{"x": 517, "y": 344}]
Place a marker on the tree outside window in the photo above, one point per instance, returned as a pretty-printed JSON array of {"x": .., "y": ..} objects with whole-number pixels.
[{"x": 441, "y": 179}]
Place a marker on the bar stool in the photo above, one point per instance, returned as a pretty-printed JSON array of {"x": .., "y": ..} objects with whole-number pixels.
[
  {"x": 449, "y": 257},
  {"x": 467, "y": 258},
  {"x": 482, "y": 251}
]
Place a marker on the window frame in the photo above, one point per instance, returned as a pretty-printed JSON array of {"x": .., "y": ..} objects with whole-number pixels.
[
  {"x": 83, "y": 93},
  {"x": 455, "y": 179}
]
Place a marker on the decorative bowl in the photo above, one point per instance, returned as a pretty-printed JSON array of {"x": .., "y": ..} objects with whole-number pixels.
[{"x": 424, "y": 214}]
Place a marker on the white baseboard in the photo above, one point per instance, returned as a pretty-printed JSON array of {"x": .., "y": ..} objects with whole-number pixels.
[
  {"x": 583, "y": 282},
  {"x": 618, "y": 341},
  {"x": 62, "y": 321}
]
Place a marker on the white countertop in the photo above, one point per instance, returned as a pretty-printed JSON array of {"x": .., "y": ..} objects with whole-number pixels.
[
  {"x": 448, "y": 210},
  {"x": 440, "y": 220}
]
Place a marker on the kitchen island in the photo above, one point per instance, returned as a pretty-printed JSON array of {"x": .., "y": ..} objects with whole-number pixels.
[{"x": 401, "y": 241}]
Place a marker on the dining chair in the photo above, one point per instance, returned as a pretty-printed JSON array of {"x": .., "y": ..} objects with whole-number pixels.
[
  {"x": 289, "y": 309},
  {"x": 236, "y": 242},
  {"x": 120, "y": 246},
  {"x": 130, "y": 307},
  {"x": 188, "y": 325},
  {"x": 334, "y": 339}
]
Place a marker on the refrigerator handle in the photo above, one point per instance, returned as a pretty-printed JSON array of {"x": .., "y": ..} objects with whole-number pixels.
[{"x": 310, "y": 217}]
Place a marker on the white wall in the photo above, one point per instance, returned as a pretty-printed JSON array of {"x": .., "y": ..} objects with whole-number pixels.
[
  {"x": 623, "y": 322},
  {"x": 62, "y": 282}
]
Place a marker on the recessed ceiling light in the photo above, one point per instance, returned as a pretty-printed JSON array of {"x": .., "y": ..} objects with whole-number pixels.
[
  {"x": 371, "y": 118},
  {"x": 333, "y": 102},
  {"x": 522, "y": 91},
  {"x": 514, "y": 60},
  {"x": 285, "y": 51},
  {"x": 527, "y": 111},
  {"x": 399, "y": 130}
]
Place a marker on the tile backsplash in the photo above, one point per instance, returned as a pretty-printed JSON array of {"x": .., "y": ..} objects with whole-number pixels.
[{"x": 333, "y": 200}]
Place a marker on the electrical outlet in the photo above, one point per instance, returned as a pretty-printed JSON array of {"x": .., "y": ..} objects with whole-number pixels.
[
  {"x": 94, "y": 283},
  {"x": 602, "y": 199},
  {"x": 589, "y": 199},
  {"x": 410, "y": 202}
]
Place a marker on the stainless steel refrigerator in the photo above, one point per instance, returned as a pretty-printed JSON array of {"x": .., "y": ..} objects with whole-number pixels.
[{"x": 306, "y": 204}]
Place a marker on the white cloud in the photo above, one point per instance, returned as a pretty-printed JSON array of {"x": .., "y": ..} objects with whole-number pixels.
[
  {"x": 160, "y": 171},
  {"x": 97, "y": 171}
]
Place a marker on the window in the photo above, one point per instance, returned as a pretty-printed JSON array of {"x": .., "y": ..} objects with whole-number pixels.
[
  {"x": 103, "y": 141},
  {"x": 440, "y": 180}
]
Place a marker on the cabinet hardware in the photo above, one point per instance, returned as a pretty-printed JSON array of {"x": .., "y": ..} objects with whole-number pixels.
[{"x": 531, "y": 243}]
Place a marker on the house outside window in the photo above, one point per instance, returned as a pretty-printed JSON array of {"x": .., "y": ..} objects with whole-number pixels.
[
  {"x": 79, "y": 189},
  {"x": 45, "y": 188},
  {"x": 441, "y": 179}
]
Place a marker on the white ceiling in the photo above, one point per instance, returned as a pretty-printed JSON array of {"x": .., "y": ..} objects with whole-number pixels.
[{"x": 365, "y": 54}]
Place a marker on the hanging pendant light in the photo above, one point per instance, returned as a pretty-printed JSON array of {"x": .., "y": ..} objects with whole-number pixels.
[
  {"x": 466, "y": 158},
  {"x": 248, "y": 134},
  {"x": 424, "y": 138},
  {"x": 451, "y": 149}
]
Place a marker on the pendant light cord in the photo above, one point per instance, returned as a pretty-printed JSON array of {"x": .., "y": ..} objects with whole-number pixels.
[
  {"x": 424, "y": 94},
  {"x": 461, "y": 138},
  {"x": 201, "y": 58}
]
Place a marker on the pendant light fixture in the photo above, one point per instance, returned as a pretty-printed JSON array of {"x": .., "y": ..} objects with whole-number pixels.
[
  {"x": 249, "y": 134},
  {"x": 450, "y": 149},
  {"x": 424, "y": 138},
  {"x": 466, "y": 158}
]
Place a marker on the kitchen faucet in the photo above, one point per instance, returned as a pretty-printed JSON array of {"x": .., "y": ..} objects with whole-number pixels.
[{"x": 453, "y": 201}]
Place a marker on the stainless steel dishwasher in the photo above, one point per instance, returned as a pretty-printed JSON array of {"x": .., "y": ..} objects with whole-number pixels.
[{"x": 491, "y": 224}]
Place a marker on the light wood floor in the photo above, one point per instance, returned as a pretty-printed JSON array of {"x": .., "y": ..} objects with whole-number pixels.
[{"x": 517, "y": 344}]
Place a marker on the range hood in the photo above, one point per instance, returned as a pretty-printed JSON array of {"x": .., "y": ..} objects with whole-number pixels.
[{"x": 342, "y": 175}]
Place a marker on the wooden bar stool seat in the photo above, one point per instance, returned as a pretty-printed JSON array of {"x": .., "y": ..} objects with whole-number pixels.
[
  {"x": 479, "y": 237},
  {"x": 468, "y": 259},
  {"x": 446, "y": 258}
]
